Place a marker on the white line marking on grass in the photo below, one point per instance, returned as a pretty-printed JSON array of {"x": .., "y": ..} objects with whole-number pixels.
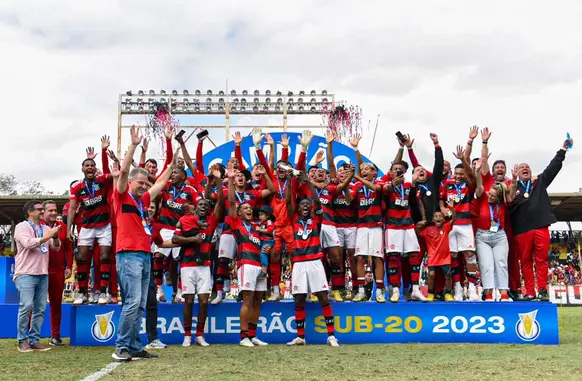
[{"x": 100, "y": 373}]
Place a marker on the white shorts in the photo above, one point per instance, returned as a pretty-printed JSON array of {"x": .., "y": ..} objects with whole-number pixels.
[
  {"x": 461, "y": 238},
  {"x": 401, "y": 241},
  {"x": 196, "y": 280},
  {"x": 227, "y": 246},
  {"x": 369, "y": 242},
  {"x": 167, "y": 235},
  {"x": 247, "y": 278},
  {"x": 329, "y": 236},
  {"x": 308, "y": 276},
  {"x": 347, "y": 237},
  {"x": 88, "y": 236}
]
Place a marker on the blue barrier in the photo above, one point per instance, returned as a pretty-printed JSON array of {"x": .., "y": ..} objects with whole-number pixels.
[
  {"x": 8, "y": 292},
  {"x": 365, "y": 323},
  {"x": 9, "y": 317}
]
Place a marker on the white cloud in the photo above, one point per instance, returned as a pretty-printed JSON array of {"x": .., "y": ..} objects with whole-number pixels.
[{"x": 423, "y": 66}]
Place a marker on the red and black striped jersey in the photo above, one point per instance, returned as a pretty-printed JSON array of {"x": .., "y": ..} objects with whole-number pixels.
[
  {"x": 398, "y": 215},
  {"x": 369, "y": 204},
  {"x": 93, "y": 199},
  {"x": 345, "y": 215},
  {"x": 248, "y": 240},
  {"x": 173, "y": 200},
  {"x": 247, "y": 197},
  {"x": 193, "y": 255},
  {"x": 326, "y": 197},
  {"x": 462, "y": 195},
  {"x": 307, "y": 241},
  {"x": 270, "y": 227}
]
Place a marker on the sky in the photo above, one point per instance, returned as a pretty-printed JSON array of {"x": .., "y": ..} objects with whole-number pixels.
[{"x": 422, "y": 66}]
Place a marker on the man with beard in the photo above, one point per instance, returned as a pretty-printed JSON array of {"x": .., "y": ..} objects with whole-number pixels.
[
  {"x": 531, "y": 215},
  {"x": 194, "y": 234}
]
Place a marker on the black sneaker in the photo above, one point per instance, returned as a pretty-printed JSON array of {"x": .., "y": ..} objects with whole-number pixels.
[
  {"x": 439, "y": 297},
  {"x": 144, "y": 355},
  {"x": 517, "y": 296},
  {"x": 56, "y": 342},
  {"x": 121, "y": 355},
  {"x": 543, "y": 295},
  {"x": 528, "y": 298}
]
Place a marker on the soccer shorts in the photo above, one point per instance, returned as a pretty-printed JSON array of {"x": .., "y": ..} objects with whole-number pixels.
[
  {"x": 247, "y": 278},
  {"x": 461, "y": 238},
  {"x": 88, "y": 236},
  {"x": 308, "y": 276},
  {"x": 328, "y": 236},
  {"x": 369, "y": 242},
  {"x": 196, "y": 280},
  {"x": 347, "y": 237},
  {"x": 166, "y": 235},
  {"x": 284, "y": 234},
  {"x": 227, "y": 246},
  {"x": 401, "y": 241}
]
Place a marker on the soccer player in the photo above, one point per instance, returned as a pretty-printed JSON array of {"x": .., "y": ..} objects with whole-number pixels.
[
  {"x": 308, "y": 274},
  {"x": 436, "y": 236},
  {"x": 130, "y": 200},
  {"x": 240, "y": 220},
  {"x": 462, "y": 241},
  {"x": 59, "y": 269},
  {"x": 194, "y": 234},
  {"x": 531, "y": 214},
  {"x": 92, "y": 194}
]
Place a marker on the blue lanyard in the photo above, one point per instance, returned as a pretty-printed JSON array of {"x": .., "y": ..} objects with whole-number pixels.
[
  {"x": 176, "y": 195},
  {"x": 37, "y": 234},
  {"x": 90, "y": 190},
  {"x": 368, "y": 192},
  {"x": 282, "y": 191},
  {"x": 459, "y": 189},
  {"x": 241, "y": 200},
  {"x": 526, "y": 186},
  {"x": 248, "y": 226},
  {"x": 319, "y": 192},
  {"x": 424, "y": 187},
  {"x": 304, "y": 224},
  {"x": 139, "y": 207},
  {"x": 492, "y": 213},
  {"x": 400, "y": 190}
]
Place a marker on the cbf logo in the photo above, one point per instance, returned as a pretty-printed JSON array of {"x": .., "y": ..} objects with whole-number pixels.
[
  {"x": 103, "y": 328},
  {"x": 528, "y": 328}
]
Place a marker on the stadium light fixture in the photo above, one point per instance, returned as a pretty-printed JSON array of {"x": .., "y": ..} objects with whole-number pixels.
[
  {"x": 174, "y": 92},
  {"x": 233, "y": 92},
  {"x": 245, "y": 92},
  {"x": 128, "y": 92},
  {"x": 185, "y": 92},
  {"x": 163, "y": 92},
  {"x": 209, "y": 92},
  {"x": 268, "y": 92},
  {"x": 152, "y": 92},
  {"x": 257, "y": 92},
  {"x": 197, "y": 92}
]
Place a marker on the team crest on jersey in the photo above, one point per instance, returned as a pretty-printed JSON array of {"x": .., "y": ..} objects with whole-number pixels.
[
  {"x": 96, "y": 187},
  {"x": 183, "y": 196}
]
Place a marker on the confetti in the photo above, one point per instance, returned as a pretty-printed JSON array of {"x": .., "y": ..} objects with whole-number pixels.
[{"x": 345, "y": 121}]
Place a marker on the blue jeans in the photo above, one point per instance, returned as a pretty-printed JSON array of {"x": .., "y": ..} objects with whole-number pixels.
[
  {"x": 265, "y": 256},
  {"x": 33, "y": 291},
  {"x": 133, "y": 273}
]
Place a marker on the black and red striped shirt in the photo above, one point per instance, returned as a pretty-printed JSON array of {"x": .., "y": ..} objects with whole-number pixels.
[
  {"x": 307, "y": 241},
  {"x": 345, "y": 215},
  {"x": 326, "y": 197},
  {"x": 462, "y": 195},
  {"x": 270, "y": 227},
  {"x": 173, "y": 200},
  {"x": 194, "y": 255},
  {"x": 249, "y": 196},
  {"x": 398, "y": 215},
  {"x": 369, "y": 204},
  {"x": 248, "y": 241},
  {"x": 93, "y": 197}
]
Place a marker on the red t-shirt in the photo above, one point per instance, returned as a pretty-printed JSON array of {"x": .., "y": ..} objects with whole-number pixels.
[
  {"x": 93, "y": 198},
  {"x": 131, "y": 233},
  {"x": 484, "y": 218},
  {"x": 437, "y": 244}
]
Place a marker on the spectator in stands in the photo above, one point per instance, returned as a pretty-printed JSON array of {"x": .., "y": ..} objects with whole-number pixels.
[{"x": 33, "y": 241}]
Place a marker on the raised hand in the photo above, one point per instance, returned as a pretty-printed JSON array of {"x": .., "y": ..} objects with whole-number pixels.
[
  {"x": 135, "y": 135},
  {"x": 257, "y": 137},
  {"x": 473, "y": 132},
  {"x": 567, "y": 144},
  {"x": 144, "y": 145},
  {"x": 105, "y": 142},
  {"x": 451, "y": 204},
  {"x": 434, "y": 137},
  {"x": 459, "y": 153},
  {"x": 485, "y": 134},
  {"x": 397, "y": 181},
  {"x": 407, "y": 141},
  {"x": 230, "y": 171},
  {"x": 112, "y": 155},
  {"x": 515, "y": 172},
  {"x": 91, "y": 153},
  {"x": 260, "y": 170},
  {"x": 478, "y": 165},
  {"x": 302, "y": 177},
  {"x": 115, "y": 170},
  {"x": 169, "y": 132},
  {"x": 305, "y": 138},
  {"x": 216, "y": 173},
  {"x": 355, "y": 140},
  {"x": 421, "y": 224},
  {"x": 330, "y": 136},
  {"x": 284, "y": 141},
  {"x": 319, "y": 157},
  {"x": 237, "y": 137},
  {"x": 270, "y": 140}
]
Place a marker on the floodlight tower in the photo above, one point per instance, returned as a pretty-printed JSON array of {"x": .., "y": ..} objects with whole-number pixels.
[{"x": 227, "y": 104}]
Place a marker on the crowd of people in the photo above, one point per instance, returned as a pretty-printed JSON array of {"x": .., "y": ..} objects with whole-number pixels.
[{"x": 135, "y": 224}]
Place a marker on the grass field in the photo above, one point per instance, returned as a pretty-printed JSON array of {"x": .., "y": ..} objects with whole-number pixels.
[{"x": 315, "y": 362}]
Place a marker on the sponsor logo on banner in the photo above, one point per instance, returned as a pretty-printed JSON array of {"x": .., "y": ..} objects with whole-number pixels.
[
  {"x": 527, "y": 327},
  {"x": 566, "y": 295},
  {"x": 103, "y": 328}
]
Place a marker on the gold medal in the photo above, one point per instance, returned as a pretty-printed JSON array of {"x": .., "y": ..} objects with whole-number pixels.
[
  {"x": 526, "y": 195},
  {"x": 144, "y": 223}
]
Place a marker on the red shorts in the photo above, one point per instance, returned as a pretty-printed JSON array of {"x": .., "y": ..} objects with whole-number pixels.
[{"x": 284, "y": 234}]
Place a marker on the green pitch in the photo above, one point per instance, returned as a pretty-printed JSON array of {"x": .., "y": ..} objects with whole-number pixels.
[{"x": 315, "y": 362}]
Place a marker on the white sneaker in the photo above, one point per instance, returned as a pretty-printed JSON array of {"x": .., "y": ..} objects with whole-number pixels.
[
  {"x": 218, "y": 299},
  {"x": 91, "y": 298},
  {"x": 246, "y": 342},
  {"x": 297, "y": 341},
  {"x": 275, "y": 297},
  {"x": 179, "y": 296},
  {"x": 156, "y": 344},
  {"x": 473, "y": 296},
  {"x": 201, "y": 342},
  {"x": 187, "y": 341},
  {"x": 380, "y": 298},
  {"x": 332, "y": 341},
  {"x": 103, "y": 299},
  {"x": 257, "y": 341},
  {"x": 160, "y": 295},
  {"x": 360, "y": 297},
  {"x": 80, "y": 299},
  {"x": 458, "y": 292},
  {"x": 417, "y": 295},
  {"x": 394, "y": 298}
]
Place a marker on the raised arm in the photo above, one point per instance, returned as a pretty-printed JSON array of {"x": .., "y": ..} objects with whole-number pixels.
[
  {"x": 462, "y": 156},
  {"x": 354, "y": 142},
  {"x": 272, "y": 154},
  {"x": 413, "y": 159},
  {"x": 104, "y": 157},
  {"x": 219, "y": 209},
  {"x": 289, "y": 202},
  {"x": 169, "y": 133},
  {"x": 187, "y": 158},
  {"x": 329, "y": 138},
  {"x": 304, "y": 140},
  {"x": 513, "y": 186},
  {"x": 268, "y": 182},
  {"x": 237, "y": 138},
  {"x": 161, "y": 182},
  {"x": 478, "y": 180},
  {"x": 439, "y": 163},
  {"x": 230, "y": 173},
  {"x": 473, "y": 132},
  {"x": 368, "y": 184},
  {"x": 552, "y": 170},
  {"x": 312, "y": 191},
  {"x": 485, "y": 135},
  {"x": 200, "y": 155},
  {"x": 142, "y": 155},
  {"x": 127, "y": 160},
  {"x": 285, "y": 151},
  {"x": 346, "y": 183}
]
